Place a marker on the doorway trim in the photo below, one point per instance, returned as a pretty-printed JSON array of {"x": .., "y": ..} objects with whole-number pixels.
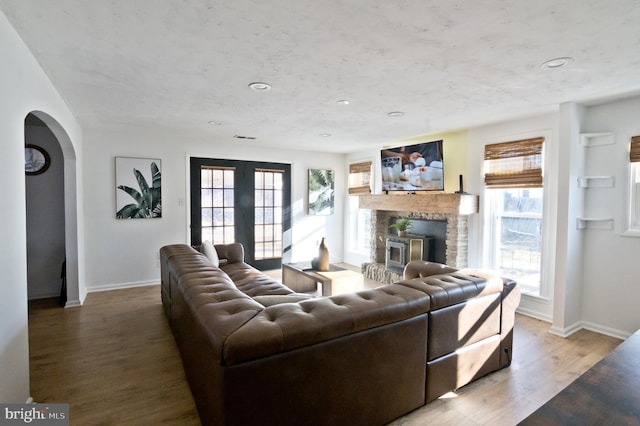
[{"x": 76, "y": 290}]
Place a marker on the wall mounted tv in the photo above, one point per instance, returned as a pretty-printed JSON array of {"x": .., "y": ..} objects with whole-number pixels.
[{"x": 411, "y": 168}]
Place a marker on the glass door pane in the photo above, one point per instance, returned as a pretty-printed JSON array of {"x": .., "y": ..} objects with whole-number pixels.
[
  {"x": 217, "y": 205},
  {"x": 268, "y": 214}
]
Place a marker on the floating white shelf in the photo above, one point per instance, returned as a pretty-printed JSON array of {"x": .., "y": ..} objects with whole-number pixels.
[
  {"x": 596, "y": 181},
  {"x": 594, "y": 223},
  {"x": 597, "y": 139}
]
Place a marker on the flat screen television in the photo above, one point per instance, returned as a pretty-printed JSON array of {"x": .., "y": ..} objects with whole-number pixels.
[{"x": 411, "y": 168}]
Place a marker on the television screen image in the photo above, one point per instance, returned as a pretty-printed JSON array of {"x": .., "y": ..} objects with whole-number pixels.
[{"x": 411, "y": 168}]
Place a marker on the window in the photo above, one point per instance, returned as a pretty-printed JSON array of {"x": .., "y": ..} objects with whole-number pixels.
[
  {"x": 513, "y": 178},
  {"x": 360, "y": 178},
  {"x": 517, "y": 235},
  {"x": 359, "y": 219},
  {"x": 360, "y": 226},
  {"x": 633, "y": 228}
]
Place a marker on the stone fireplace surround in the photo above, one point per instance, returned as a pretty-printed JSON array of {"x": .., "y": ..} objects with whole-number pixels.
[{"x": 454, "y": 208}]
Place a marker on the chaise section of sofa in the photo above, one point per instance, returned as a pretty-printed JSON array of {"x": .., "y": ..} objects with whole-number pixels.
[
  {"x": 471, "y": 323},
  {"x": 359, "y": 359}
]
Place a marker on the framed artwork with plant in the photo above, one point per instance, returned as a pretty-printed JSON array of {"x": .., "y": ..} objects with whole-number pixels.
[
  {"x": 138, "y": 188},
  {"x": 321, "y": 191}
]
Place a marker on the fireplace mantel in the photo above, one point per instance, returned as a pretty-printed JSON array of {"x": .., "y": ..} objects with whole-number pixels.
[{"x": 424, "y": 202}]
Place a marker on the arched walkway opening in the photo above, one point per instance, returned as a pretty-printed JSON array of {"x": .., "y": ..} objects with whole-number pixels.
[{"x": 74, "y": 293}]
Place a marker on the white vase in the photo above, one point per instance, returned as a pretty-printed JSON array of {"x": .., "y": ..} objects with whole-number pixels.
[{"x": 323, "y": 256}]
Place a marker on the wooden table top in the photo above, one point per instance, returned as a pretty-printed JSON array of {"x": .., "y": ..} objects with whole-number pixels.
[{"x": 606, "y": 394}]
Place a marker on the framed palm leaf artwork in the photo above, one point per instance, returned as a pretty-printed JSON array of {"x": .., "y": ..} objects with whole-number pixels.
[
  {"x": 321, "y": 192},
  {"x": 138, "y": 188}
]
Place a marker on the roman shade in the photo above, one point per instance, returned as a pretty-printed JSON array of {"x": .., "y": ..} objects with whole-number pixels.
[
  {"x": 360, "y": 178},
  {"x": 516, "y": 164},
  {"x": 634, "y": 151}
]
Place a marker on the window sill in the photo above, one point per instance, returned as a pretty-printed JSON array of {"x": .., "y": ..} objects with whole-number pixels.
[{"x": 635, "y": 233}]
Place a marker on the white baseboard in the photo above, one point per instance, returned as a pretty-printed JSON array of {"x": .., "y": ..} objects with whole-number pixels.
[
  {"x": 533, "y": 314},
  {"x": 566, "y": 331},
  {"x": 607, "y": 331},
  {"x": 596, "y": 328},
  {"x": 120, "y": 286},
  {"x": 72, "y": 304},
  {"x": 44, "y": 295}
]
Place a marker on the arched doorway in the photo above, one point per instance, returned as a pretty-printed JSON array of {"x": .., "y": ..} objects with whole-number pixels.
[
  {"x": 71, "y": 242},
  {"x": 44, "y": 193}
]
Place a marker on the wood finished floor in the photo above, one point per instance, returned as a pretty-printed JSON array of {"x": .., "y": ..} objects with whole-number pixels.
[{"x": 115, "y": 362}]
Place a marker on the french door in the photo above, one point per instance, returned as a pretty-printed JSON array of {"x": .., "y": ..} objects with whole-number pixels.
[{"x": 247, "y": 202}]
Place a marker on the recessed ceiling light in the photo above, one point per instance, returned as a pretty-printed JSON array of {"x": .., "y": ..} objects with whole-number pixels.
[
  {"x": 215, "y": 123},
  {"x": 554, "y": 64},
  {"x": 260, "y": 87},
  {"x": 395, "y": 114},
  {"x": 343, "y": 102},
  {"x": 244, "y": 137},
  {"x": 325, "y": 135}
]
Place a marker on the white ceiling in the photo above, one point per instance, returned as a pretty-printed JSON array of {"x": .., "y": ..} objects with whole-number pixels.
[{"x": 446, "y": 64}]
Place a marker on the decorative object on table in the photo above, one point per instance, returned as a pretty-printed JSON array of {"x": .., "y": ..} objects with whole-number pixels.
[
  {"x": 402, "y": 226},
  {"x": 36, "y": 160},
  {"x": 133, "y": 176},
  {"x": 321, "y": 263},
  {"x": 321, "y": 191}
]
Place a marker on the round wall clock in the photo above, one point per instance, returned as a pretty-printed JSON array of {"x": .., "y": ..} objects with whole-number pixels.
[{"x": 36, "y": 160}]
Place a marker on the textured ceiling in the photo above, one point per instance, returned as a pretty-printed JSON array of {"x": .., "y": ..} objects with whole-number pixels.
[{"x": 446, "y": 64}]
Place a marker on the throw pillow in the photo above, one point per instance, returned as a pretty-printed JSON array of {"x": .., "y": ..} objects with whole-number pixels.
[
  {"x": 276, "y": 299},
  {"x": 210, "y": 251}
]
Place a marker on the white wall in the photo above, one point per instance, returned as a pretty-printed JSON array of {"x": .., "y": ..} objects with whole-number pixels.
[
  {"x": 125, "y": 252},
  {"x": 24, "y": 88},
  {"x": 589, "y": 276},
  {"x": 611, "y": 287}
]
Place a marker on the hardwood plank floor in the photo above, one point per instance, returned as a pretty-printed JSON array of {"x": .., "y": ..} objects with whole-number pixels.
[{"x": 115, "y": 362}]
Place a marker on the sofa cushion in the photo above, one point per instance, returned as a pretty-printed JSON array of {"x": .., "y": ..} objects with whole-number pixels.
[
  {"x": 276, "y": 299},
  {"x": 253, "y": 282},
  {"x": 209, "y": 251}
]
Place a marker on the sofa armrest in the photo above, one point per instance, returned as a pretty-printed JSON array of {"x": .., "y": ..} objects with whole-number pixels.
[{"x": 230, "y": 253}]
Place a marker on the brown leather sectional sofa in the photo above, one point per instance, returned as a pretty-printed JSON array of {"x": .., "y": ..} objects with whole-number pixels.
[{"x": 354, "y": 359}]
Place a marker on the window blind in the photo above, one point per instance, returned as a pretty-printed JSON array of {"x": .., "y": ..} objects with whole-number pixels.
[
  {"x": 360, "y": 178},
  {"x": 634, "y": 152},
  {"x": 516, "y": 164}
]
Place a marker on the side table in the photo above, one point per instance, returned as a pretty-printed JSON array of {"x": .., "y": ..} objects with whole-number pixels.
[{"x": 300, "y": 277}]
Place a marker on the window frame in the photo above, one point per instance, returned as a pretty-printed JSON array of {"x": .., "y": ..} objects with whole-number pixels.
[
  {"x": 491, "y": 239},
  {"x": 632, "y": 210}
]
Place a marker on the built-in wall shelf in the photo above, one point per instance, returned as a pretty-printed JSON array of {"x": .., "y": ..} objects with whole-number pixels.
[
  {"x": 594, "y": 223},
  {"x": 596, "y": 181},
  {"x": 597, "y": 139}
]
